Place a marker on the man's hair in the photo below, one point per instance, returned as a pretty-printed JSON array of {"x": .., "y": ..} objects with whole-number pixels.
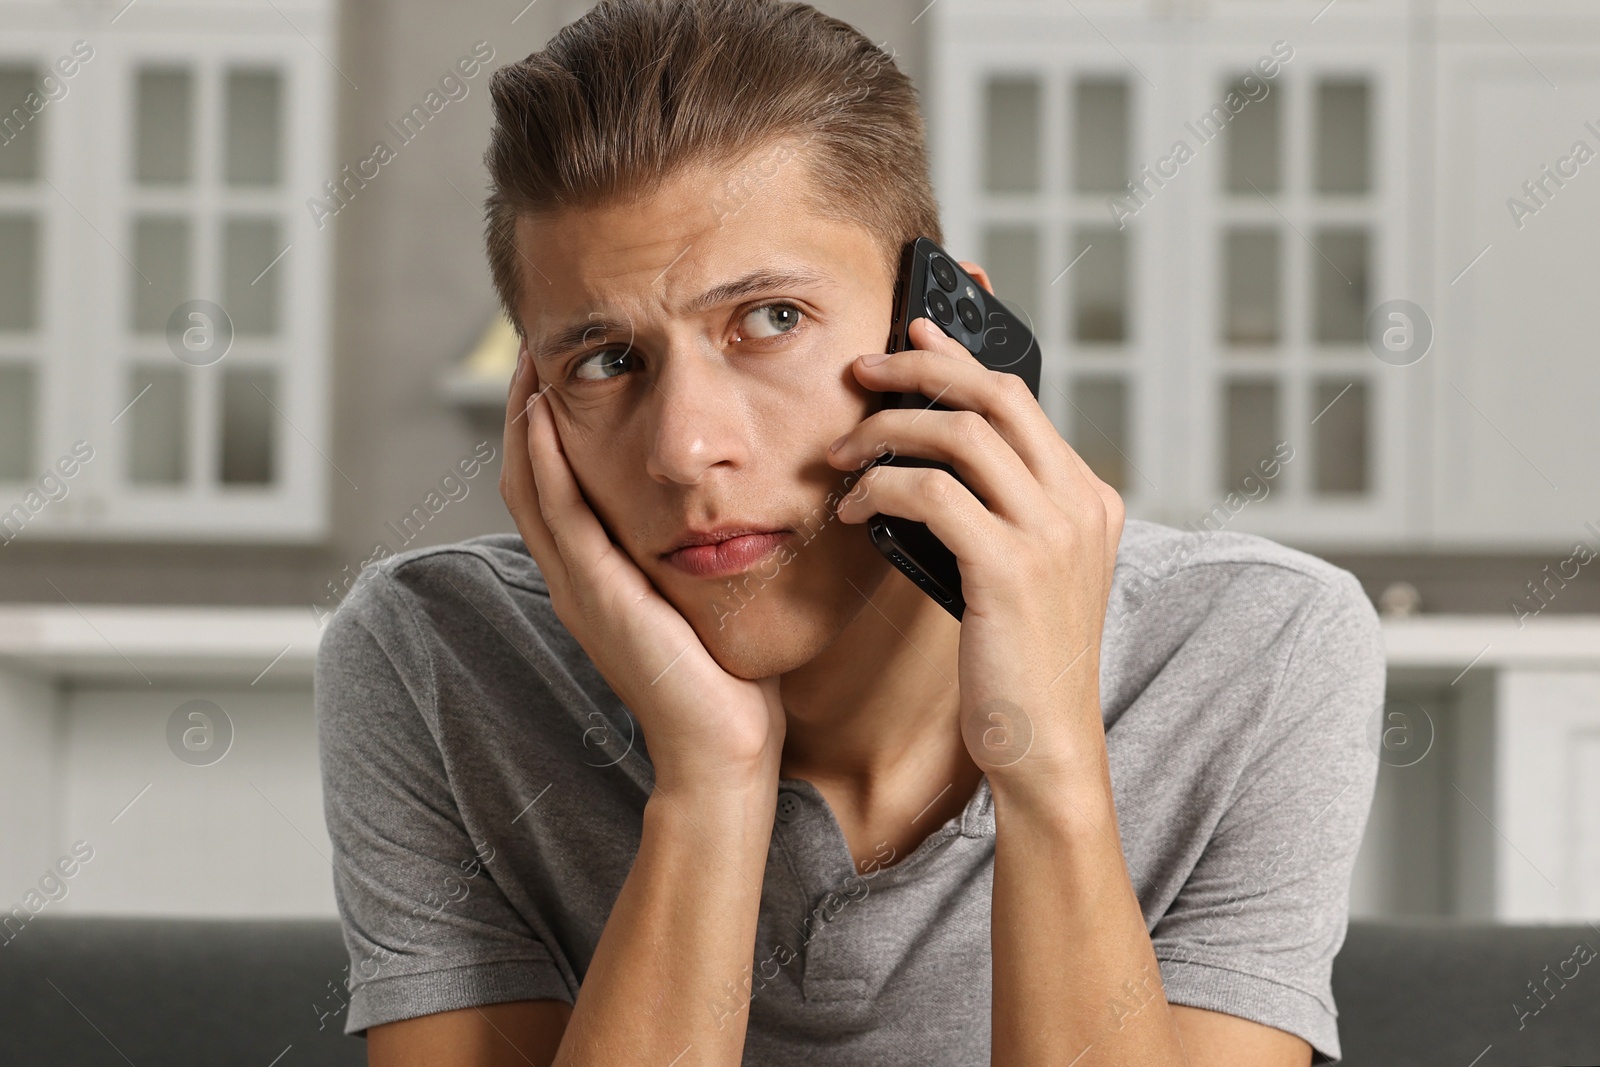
[{"x": 629, "y": 95}]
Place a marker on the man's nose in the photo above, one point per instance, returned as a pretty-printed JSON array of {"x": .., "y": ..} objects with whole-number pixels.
[{"x": 699, "y": 416}]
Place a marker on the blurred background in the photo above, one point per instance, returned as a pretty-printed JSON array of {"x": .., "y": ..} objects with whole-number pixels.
[{"x": 248, "y": 343}]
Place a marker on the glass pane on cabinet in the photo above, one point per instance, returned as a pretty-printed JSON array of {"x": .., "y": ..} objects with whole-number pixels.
[
  {"x": 158, "y": 421},
  {"x": 1099, "y": 421},
  {"x": 1254, "y": 135},
  {"x": 250, "y": 296},
  {"x": 19, "y": 405},
  {"x": 1011, "y": 256},
  {"x": 254, "y": 127},
  {"x": 1011, "y": 154},
  {"x": 1099, "y": 283},
  {"x": 163, "y": 138},
  {"x": 1100, "y": 149},
  {"x": 1340, "y": 436},
  {"x": 1250, "y": 428},
  {"x": 1344, "y": 137},
  {"x": 19, "y": 135},
  {"x": 1251, "y": 312},
  {"x": 160, "y": 280},
  {"x": 247, "y": 423},
  {"x": 19, "y": 270},
  {"x": 1339, "y": 267}
]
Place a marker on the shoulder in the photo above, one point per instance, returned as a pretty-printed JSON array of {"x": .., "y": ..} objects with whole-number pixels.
[
  {"x": 460, "y": 638},
  {"x": 1193, "y": 573},
  {"x": 1234, "y": 603},
  {"x": 492, "y": 565},
  {"x": 408, "y": 605},
  {"x": 499, "y": 559}
]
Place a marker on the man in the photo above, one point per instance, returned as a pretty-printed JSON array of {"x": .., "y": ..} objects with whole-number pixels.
[{"x": 685, "y": 772}]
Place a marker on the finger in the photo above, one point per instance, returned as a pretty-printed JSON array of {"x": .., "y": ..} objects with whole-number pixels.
[
  {"x": 577, "y": 533},
  {"x": 1005, "y": 400},
  {"x": 1047, "y": 464},
  {"x": 930, "y": 496},
  {"x": 968, "y": 442},
  {"x": 517, "y": 486},
  {"x": 1111, "y": 502},
  {"x": 942, "y": 368}
]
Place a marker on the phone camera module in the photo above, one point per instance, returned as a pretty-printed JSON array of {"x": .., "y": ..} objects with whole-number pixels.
[
  {"x": 971, "y": 318},
  {"x": 943, "y": 273},
  {"x": 939, "y": 305}
]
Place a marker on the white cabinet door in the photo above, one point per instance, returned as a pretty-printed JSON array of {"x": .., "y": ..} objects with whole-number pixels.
[
  {"x": 1201, "y": 298},
  {"x": 1516, "y": 381},
  {"x": 1252, "y": 278},
  {"x": 1547, "y": 738}
]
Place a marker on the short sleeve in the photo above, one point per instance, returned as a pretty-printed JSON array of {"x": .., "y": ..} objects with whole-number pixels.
[
  {"x": 426, "y": 925},
  {"x": 1254, "y": 930}
]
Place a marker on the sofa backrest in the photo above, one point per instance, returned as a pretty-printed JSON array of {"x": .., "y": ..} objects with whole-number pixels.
[
  {"x": 175, "y": 992},
  {"x": 204, "y": 992},
  {"x": 1417, "y": 995}
]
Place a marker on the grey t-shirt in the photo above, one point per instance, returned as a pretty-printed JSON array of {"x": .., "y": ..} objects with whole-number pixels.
[{"x": 484, "y": 790}]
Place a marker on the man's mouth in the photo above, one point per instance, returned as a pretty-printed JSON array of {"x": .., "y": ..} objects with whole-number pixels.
[{"x": 722, "y": 552}]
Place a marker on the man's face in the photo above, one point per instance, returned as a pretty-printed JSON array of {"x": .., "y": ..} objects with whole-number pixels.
[{"x": 679, "y": 407}]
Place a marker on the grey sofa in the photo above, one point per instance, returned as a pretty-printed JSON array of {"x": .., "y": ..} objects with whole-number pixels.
[{"x": 203, "y": 993}]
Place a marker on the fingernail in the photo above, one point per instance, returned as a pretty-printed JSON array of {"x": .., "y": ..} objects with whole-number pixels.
[
  {"x": 839, "y": 441},
  {"x": 522, "y": 364},
  {"x": 875, "y": 358}
]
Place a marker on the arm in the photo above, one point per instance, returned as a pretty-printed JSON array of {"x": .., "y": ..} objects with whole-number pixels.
[
  {"x": 512, "y": 1034},
  {"x": 1035, "y": 533},
  {"x": 681, "y": 935},
  {"x": 1061, "y": 892},
  {"x": 682, "y": 931}
]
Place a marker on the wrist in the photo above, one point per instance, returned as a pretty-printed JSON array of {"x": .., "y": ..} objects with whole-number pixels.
[
  {"x": 731, "y": 792},
  {"x": 1073, "y": 802}
]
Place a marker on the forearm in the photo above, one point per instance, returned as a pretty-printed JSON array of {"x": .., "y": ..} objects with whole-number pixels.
[
  {"x": 1074, "y": 971},
  {"x": 683, "y": 928}
]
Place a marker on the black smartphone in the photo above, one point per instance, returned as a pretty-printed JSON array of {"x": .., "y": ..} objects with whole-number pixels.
[{"x": 932, "y": 285}]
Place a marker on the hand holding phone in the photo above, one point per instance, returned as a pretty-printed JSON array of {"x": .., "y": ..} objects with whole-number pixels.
[{"x": 932, "y": 285}]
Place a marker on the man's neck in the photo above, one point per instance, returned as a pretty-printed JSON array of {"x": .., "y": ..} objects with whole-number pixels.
[{"x": 873, "y": 721}]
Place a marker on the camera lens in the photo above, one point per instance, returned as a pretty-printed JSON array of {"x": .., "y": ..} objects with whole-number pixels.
[
  {"x": 943, "y": 273},
  {"x": 970, "y": 318},
  {"x": 939, "y": 304}
]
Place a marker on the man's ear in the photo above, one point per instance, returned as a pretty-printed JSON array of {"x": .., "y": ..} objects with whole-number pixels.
[{"x": 978, "y": 273}]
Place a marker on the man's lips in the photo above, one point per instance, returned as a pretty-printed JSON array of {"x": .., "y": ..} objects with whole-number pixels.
[{"x": 734, "y": 555}]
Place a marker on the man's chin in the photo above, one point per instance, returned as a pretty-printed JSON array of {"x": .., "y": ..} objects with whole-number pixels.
[
  {"x": 770, "y": 638},
  {"x": 746, "y": 656},
  {"x": 778, "y": 630}
]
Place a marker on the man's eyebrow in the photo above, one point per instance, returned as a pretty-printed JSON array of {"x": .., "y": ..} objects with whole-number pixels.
[
  {"x": 570, "y": 337},
  {"x": 761, "y": 280}
]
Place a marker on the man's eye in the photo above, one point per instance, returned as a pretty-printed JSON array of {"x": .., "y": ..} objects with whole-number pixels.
[
  {"x": 596, "y": 367},
  {"x": 778, "y": 318}
]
